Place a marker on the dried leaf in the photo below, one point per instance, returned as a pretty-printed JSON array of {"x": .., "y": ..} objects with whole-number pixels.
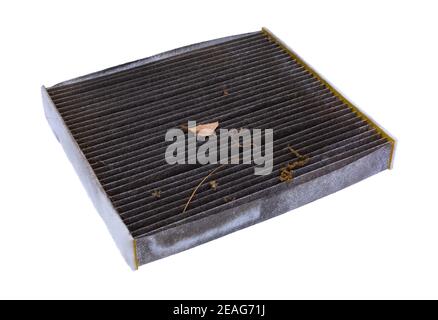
[{"x": 204, "y": 130}]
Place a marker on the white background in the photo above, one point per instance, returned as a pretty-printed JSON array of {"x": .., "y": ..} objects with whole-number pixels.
[{"x": 376, "y": 239}]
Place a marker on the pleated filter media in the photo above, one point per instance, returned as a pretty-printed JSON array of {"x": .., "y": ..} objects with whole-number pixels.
[{"x": 112, "y": 126}]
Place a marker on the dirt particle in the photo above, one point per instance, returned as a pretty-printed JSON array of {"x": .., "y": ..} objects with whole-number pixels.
[
  {"x": 229, "y": 198},
  {"x": 213, "y": 185},
  {"x": 156, "y": 194}
]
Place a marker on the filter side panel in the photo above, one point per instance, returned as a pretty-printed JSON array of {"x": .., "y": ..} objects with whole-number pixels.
[
  {"x": 117, "y": 228},
  {"x": 185, "y": 236}
]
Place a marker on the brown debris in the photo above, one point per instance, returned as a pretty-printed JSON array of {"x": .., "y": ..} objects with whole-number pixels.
[
  {"x": 294, "y": 152},
  {"x": 213, "y": 185},
  {"x": 286, "y": 173},
  {"x": 156, "y": 194}
]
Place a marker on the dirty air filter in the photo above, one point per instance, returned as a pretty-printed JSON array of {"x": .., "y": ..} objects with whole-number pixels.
[{"x": 112, "y": 126}]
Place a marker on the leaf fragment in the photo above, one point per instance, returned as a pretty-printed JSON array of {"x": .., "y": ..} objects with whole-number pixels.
[{"x": 204, "y": 130}]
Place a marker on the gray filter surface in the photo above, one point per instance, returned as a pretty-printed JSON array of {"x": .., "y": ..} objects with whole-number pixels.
[{"x": 112, "y": 125}]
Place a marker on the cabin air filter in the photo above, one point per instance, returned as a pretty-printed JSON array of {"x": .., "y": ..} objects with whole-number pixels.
[{"x": 192, "y": 144}]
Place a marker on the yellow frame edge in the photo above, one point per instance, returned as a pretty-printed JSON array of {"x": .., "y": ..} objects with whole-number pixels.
[
  {"x": 134, "y": 243},
  {"x": 355, "y": 109}
]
